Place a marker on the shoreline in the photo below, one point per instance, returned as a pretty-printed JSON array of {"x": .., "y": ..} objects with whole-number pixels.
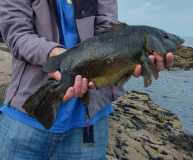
[{"x": 142, "y": 130}]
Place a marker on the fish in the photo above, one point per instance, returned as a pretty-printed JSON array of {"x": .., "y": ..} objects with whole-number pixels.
[{"x": 108, "y": 58}]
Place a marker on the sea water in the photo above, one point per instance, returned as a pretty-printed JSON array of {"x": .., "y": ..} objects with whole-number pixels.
[{"x": 173, "y": 91}]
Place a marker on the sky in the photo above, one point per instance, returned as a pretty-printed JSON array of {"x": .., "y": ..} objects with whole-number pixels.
[{"x": 175, "y": 16}]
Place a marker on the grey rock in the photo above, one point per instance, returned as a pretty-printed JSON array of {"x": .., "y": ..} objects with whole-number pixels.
[{"x": 157, "y": 134}]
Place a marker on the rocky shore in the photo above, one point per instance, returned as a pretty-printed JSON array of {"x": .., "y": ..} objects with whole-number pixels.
[
  {"x": 139, "y": 129},
  {"x": 184, "y": 58},
  {"x": 142, "y": 130}
]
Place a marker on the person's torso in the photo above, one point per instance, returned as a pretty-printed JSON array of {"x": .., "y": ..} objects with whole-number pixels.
[
  {"x": 27, "y": 78},
  {"x": 71, "y": 113}
]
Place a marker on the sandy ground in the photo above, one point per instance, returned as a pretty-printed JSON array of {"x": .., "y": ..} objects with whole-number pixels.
[{"x": 5, "y": 65}]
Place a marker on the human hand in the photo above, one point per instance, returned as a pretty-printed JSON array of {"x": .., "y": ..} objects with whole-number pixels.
[
  {"x": 56, "y": 52},
  {"x": 81, "y": 84},
  {"x": 79, "y": 88},
  {"x": 158, "y": 61}
]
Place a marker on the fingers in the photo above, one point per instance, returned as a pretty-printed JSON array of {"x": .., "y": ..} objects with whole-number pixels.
[
  {"x": 152, "y": 58},
  {"x": 138, "y": 70},
  {"x": 91, "y": 85},
  {"x": 159, "y": 62},
  {"x": 84, "y": 87},
  {"x": 79, "y": 89},
  {"x": 69, "y": 93},
  {"x": 78, "y": 85},
  {"x": 55, "y": 75},
  {"x": 169, "y": 59}
]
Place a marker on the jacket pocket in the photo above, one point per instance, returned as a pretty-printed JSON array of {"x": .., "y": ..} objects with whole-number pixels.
[{"x": 85, "y": 8}]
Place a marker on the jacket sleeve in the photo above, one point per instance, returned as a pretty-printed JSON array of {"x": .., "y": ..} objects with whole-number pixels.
[
  {"x": 107, "y": 13},
  {"x": 18, "y": 31}
]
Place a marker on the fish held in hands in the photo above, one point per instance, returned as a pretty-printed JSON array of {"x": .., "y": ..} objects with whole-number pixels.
[{"x": 108, "y": 58}]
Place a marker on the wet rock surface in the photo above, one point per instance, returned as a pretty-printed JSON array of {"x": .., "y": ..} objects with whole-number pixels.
[
  {"x": 142, "y": 130},
  {"x": 184, "y": 58}
]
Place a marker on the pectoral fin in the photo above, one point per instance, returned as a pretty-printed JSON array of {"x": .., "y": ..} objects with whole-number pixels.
[{"x": 148, "y": 70}]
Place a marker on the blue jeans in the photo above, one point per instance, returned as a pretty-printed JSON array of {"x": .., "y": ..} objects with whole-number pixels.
[{"x": 21, "y": 142}]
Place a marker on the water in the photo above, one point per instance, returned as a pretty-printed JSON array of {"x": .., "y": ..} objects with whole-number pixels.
[
  {"x": 188, "y": 41},
  {"x": 174, "y": 91}
]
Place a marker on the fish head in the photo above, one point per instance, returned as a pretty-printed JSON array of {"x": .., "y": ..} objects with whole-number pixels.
[
  {"x": 162, "y": 42},
  {"x": 172, "y": 42},
  {"x": 156, "y": 40},
  {"x": 145, "y": 40}
]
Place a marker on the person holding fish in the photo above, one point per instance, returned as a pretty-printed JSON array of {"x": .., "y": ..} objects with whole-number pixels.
[{"x": 36, "y": 31}]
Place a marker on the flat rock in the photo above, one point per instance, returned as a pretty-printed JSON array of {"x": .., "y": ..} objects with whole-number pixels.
[
  {"x": 156, "y": 134},
  {"x": 184, "y": 58}
]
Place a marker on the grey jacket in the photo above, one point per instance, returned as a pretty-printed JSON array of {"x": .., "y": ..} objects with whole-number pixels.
[{"x": 30, "y": 31}]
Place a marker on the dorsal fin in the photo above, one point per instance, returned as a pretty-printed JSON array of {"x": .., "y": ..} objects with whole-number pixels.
[
  {"x": 112, "y": 27},
  {"x": 117, "y": 26}
]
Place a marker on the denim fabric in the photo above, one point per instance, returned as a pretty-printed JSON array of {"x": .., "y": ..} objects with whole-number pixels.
[
  {"x": 71, "y": 114},
  {"x": 21, "y": 142}
]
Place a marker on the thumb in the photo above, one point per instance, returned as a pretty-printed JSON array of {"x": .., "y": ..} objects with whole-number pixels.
[
  {"x": 55, "y": 75},
  {"x": 138, "y": 70}
]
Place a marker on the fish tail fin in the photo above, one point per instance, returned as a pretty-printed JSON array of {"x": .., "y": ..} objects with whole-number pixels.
[{"x": 43, "y": 104}]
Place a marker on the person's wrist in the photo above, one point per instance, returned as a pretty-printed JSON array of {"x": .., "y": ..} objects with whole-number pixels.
[{"x": 56, "y": 51}]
